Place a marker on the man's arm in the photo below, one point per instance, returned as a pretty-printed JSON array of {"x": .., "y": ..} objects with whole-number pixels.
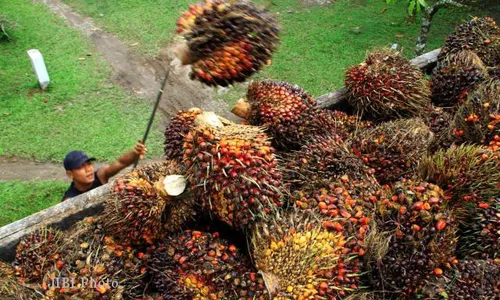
[{"x": 108, "y": 171}]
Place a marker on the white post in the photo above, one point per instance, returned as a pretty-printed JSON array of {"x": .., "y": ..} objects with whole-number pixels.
[{"x": 39, "y": 68}]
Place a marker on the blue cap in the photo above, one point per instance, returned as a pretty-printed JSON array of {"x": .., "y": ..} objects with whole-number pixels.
[{"x": 75, "y": 159}]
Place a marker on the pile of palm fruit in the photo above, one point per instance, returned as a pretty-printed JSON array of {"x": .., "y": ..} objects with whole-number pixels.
[{"x": 398, "y": 197}]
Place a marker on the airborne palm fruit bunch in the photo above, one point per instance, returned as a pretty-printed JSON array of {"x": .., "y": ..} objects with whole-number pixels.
[
  {"x": 471, "y": 279},
  {"x": 135, "y": 211},
  {"x": 478, "y": 119},
  {"x": 480, "y": 35},
  {"x": 387, "y": 86},
  {"x": 468, "y": 174},
  {"x": 201, "y": 265},
  {"x": 37, "y": 252},
  {"x": 456, "y": 75},
  {"x": 300, "y": 259},
  {"x": 289, "y": 114},
  {"x": 417, "y": 239},
  {"x": 96, "y": 266},
  {"x": 227, "y": 41},
  {"x": 480, "y": 233},
  {"x": 393, "y": 149},
  {"x": 179, "y": 126},
  {"x": 234, "y": 171}
]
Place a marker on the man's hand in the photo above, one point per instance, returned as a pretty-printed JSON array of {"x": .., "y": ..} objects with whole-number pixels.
[{"x": 140, "y": 149}]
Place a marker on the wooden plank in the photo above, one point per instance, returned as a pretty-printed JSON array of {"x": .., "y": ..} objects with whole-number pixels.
[
  {"x": 61, "y": 216},
  {"x": 336, "y": 99}
]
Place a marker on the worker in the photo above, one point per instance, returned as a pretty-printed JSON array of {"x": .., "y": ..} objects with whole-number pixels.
[{"x": 80, "y": 169}]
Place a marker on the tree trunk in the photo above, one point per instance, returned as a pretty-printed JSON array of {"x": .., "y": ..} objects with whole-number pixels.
[{"x": 427, "y": 15}]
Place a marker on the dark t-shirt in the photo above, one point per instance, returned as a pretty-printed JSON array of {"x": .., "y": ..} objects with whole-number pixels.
[{"x": 72, "y": 191}]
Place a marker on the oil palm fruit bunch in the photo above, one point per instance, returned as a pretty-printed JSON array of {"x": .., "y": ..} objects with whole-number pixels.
[
  {"x": 37, "y": 252},
  {"x": 233, "y": 170},
  {"x": 417, "y": 239},
  {"x": 96, "y": 266},
  {"x": 202, "y": 265},
  {"x": 323, "y": 158},
  {"x": 478, "y": 119},
  {"x": 438, "y": 121},
  {"x": 480, "y": 35},
  {"x": 393, "y": 149},
  {"x": 456, "y": 75},
  {"x": 227, "y": 41},
  {"x": 179, "y": 126},
  {"x": 11, "y": 288},
  {"x": 139, "y": 199},
  {"x": 480, "y": 233},
  {"x": 288, "y": 113},
  {"x": 300, "y": 259},
  {"x": 386, "y": 86},
  {"x": 468, "y": 174},
  {"x": 352, "y": 123},
  {"x": 180, "y": 212},
  {"x": 470, "y": 279}
]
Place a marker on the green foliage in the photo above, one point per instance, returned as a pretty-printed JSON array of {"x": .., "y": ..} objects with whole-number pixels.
[
  {"x": 6, "y": 26},
  {"x": 412, "y": 5},
  {"x": 81, "y": 109},
  {"x": 21, "y": 199}
]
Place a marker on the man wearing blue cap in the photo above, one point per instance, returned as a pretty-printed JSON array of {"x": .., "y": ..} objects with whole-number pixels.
[{"x": 80, "y": 169}]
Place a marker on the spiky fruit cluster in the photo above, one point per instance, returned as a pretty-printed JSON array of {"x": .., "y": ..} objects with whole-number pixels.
[
  {"x": 179, "y": 126},
  {"x": 417, "y": 238},
  {"x": 455, "y": 76},
  {"x": 471, "y": 279},
  {"x": 299, "y": 258},
  {"x": 201, "y": 265},
  {"x": 323, "y": 158},
  {"x": 180, "y": 212},
  {"x": 234, "y": 171},
  {"x": 480, "y": 35},
  {"x": 289, "y": 114},
  {"x": 135, "y": 209},
  {"x": 96, "y": 266},
  {"x": 438, "y": 120},
  {"x": 387, "y": 86},
  {"x": 467, "y": 174},
  {"x": 393, "y": 149},
  {"x": 37, "y": 252},
  {"x": 227, "y": 40},
  {"x": 480, "y": 234},
  {"x": 478, "y": 119}
]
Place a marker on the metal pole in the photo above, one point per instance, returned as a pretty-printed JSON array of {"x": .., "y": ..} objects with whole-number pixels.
[{"x": 158, "y": 98}]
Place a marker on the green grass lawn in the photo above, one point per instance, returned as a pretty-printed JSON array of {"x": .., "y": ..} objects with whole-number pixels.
[
  {"x": 82, "y": 109},
  {"x": 21, "y": 199},
  {"x": 318, "y": 43}
]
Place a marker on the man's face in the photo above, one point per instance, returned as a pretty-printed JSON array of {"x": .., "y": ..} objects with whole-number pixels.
[{"x": 84, "y": 174}]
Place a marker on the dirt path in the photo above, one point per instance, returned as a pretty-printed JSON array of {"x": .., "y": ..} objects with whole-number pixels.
[
  {"x": 141, "y": 75},
  {"x": 21, "y": 169}
]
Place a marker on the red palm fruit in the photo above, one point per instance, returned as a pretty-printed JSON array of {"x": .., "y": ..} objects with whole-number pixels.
[
  {"x": 455, "y": 76},
  {"x": 478, "y": 119},
  {"x": 234, "y": 172},
  {"x": 298, "y": 257},
  {"x": 36, "y": 253},
  {"x": 438, "y": 120},
  {"x": 407, "y": 239},
  {"x": 193, "y": 264},
  {"x": 468, "y": 174},
  {"x": 393, "y": 149},
  {"x": 480, "y": 35},
  {"x": 179, "y": 126},
  {"x": 387, "y": 86},
  {"x": 290, "y": 114},
  {"x": 227, "y": 41}
]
